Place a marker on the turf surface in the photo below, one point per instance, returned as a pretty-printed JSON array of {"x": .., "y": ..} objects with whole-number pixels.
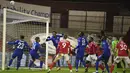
[{"x": 63, "y": 70}]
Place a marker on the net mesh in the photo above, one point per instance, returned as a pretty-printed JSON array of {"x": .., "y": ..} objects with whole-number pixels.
[{"x": 17, "y": 24}]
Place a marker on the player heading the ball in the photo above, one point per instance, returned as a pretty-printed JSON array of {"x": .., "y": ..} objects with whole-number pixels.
[{"x": 64, "y": 50}]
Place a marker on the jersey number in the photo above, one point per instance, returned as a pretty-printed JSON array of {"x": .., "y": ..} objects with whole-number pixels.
[
  {"x": 123, "y": 47},
  {"x": 64, "y": 45},
  {"x": 34, "y": 45},
  {"x": 83, "y": 42},
  {"x": 20, "y": 45}
]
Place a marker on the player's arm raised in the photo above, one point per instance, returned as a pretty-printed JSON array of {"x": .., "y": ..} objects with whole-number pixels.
[
  {"x": 49, "y": 38},
  {"x": 12, "y": 43}
]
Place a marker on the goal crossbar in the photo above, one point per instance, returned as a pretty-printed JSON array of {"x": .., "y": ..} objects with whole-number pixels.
[
  {"x": 27, "y": 14},
  {"x": 5, "y": 10}
]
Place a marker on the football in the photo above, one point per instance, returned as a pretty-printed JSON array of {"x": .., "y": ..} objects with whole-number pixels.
[{"x": 12, "y": 2}]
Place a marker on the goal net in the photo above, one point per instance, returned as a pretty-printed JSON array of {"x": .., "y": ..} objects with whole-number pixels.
[{"x": 12, "y": 25}]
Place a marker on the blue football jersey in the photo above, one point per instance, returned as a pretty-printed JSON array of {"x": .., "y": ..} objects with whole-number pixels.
[
  {"x": 106, "y": 48},
  {"x": 55, "y": 40},
  {"x": 82, "y": 43},
  {"x": 20, "y": 45},
  {"x": 35, "y": 47}
]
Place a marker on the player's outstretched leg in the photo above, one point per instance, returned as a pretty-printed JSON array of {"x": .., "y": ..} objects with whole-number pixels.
[
  {"x": 31, "y": 63},
  {"x": 10, "y": 62},
  {"x": 70, "y": 67},
  {"x": 59, "y": 56},
  {"x": 51, "y": 66}
]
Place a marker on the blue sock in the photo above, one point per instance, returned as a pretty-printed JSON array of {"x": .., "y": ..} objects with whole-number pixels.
[
  {"x": 58, "y": 63},
  {"x": 10, "y": 62},
  {"x": 18, "y": 64},
  {"x": 77, "y": 63},
  {"x": 97, "y": 63},
  {"x": 41, "y": 64},
  {"x": 83, "y": 62},
  {"x": 107, "y": 68},
  {"x": 30, "y": 64}
]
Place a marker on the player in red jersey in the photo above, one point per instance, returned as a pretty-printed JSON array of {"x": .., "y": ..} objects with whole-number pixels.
[
  {"x": 122, "y": 50},
  {"x": 99, "y": 52},
  {"x": 91, "y": 50},
  {"x": 64, "y": 50}
]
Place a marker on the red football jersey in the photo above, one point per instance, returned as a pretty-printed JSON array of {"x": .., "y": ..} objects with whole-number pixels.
[
  {"x": 64, "y": 46},
  {"x": 122, "y": 49},
  {"x": 99, "y": 51},
  {"x": 92, "y": 47}
]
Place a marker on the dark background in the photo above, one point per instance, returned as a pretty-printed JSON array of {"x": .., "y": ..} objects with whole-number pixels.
[{"x": 111, "y": 7}]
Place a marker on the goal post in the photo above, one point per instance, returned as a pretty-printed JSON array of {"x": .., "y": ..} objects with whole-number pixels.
[
  {"x": 4, "y": 39},
  {"x": 18, "y": 19}
]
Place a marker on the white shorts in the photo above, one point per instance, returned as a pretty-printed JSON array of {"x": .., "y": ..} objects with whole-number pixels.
[
  {"x": 92, "y": 58},
  {"x": 101, "y": 62},
  {"x": 119, "y": 58},
  {"x": 66, "y": 56}
]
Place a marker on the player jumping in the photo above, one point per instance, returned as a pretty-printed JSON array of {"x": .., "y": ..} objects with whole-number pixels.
[
  {"x": 55, "y": 39},
  {"x": 122, "y": 54},
  {"x": 82, "y": 43},
  {"x": 105, "y": 56},
  {"x": 64, "y": 49},
  {"x": 34, "y": 53},
  {"x": 20, "y": 46}
]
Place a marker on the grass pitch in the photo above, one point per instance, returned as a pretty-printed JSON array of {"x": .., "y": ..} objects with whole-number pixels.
[{"x": 63, "y": 70}]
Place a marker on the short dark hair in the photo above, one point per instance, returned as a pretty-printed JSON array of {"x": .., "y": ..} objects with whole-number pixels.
[
  {"x": 37, "y": 38},
  {"x": 65, "y": 36},
  {"x": 21, "y": 36},
  {"x": 54, "y": 31},
  {"x": 103, "y": 38},
  {"x": 81, "y": 33},
  {"x": 91, "y": 38}
]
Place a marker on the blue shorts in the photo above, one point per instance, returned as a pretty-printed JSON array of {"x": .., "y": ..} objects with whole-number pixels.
[
  {"x": 79, "y": 57},
  {"x": 34, "y": 55},
  {"x": 17, "y": 54}
]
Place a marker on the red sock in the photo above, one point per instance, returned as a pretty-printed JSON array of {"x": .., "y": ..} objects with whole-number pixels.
[
  {"x": 112, "y": 68},
  {"x": 87, "y": 65},
  {"x": 70, "y": 67},
  {"x": 51, "y": 66},
  {"x": 101, "y": 66}
]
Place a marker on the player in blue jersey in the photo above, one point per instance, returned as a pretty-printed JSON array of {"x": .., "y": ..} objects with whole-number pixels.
[
  {"x": 55, "y": 39},
  {"x": 20, "y": 46},
  {"x": 80, "y": 49},
  {"x": 105, "y": 56},
  {"x": 34, "y": 53}
]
